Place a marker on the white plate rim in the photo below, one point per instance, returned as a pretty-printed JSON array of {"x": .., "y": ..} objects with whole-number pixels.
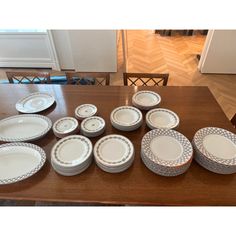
[
  {"x": 146, "y": 91},
  {"x": 62, "y": 119},
  {"x": 32, "y": 172},
  {"x": 186, "y": 156},
  {"x": 140, "y": 116},
  {"x": 30, "y": 138},
  {"x": 176, "y": 117},
  {"x": 98, "y": 158},
  {"x": 83, "y": 105},
  {"x": 19, "y": 106},
  {"x": 198, "y": 142},
  {"x": 55, "y": 158},
  {"x": 102, "y": 121}
]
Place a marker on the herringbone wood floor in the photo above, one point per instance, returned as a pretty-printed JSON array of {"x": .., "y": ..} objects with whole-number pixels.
[{"x": 176, "y": 55}]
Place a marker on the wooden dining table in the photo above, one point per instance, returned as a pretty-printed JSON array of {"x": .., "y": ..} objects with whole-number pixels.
[{"x": 196, "y": 108}]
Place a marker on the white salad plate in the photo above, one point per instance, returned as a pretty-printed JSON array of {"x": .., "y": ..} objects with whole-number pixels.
[
  {"x": 114, "y": 153},
  {"x": 146, "y": 100},
  {"x": 166, "y": 152},
  {"x": 215, "y": 149},
  {"x": 65, "y": 126},
  {"x": 25, "y": 127},
  {"x": 126, "y": 118},
  {"x": 19, "y": 161},
  {"x": 71, "y": 155},
  {"x": 92, "y": 126},
  {"x": 85, "y": 110},
  {"x": 35, "y": 102},
  {"x": 162, "y": 118}
]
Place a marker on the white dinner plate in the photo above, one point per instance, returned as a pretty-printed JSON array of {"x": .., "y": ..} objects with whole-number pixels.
[
  {"x": 162, "y": 118},
  {"x": 26, "y": 127},
  {"x": 146, "y": 100},
  {"x": 19, "y": 161},
  {"x": 113, "y": 150},
  {"x": 166, "y": 148},
  {"x": 65, "y": 126},
  {"x": 71, "y": 151},
  {"x": 126, "y": 118},
  {"x": 35, "y": 102},
  {"x": 217, "y": 145},
  {"x": 85, "y": 110}
]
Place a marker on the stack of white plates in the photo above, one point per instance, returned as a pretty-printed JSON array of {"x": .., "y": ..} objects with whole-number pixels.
[
  {"x": 85, "y": 110},
  {"x": 93, "y": 126},
  {"x": 65, "y": 126},
  {"x": 126, "y": 118},
  {"x": 114, "y": 153},
  {"x": 166, "y": 152},
  {"x": 215, "y": 150},
  {"x": 162, "y": 118},
  {"x": 71, "y": 155},
  {"x": 146, "y": 100}
]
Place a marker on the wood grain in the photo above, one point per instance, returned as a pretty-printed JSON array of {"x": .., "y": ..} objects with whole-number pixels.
[{"x": 196, "y": 108}]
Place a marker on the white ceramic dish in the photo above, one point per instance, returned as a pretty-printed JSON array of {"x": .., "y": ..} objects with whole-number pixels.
[
  {"x": 93, "y": 126},
  {"x": 113, "y": 153},
  {"x": 85, "y": 110},
  {"x": 146, "y": 100},
  {"x": 19, "y": 161},
  {"x": 65, "y": 126},
  {"x": 162, "y": 118},
  {"x": 126, "y": 118},
  {"x": 35, "y": 102},
  {"x": 216, "y": 149},
  {"x": 71, "y": 151},
  {"x": 166, "y": 152},
  {"x": 26, "y": 127}
]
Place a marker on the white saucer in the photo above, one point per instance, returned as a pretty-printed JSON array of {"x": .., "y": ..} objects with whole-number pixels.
[
  {"x": 162, "y": 118},
  {"x": 85, "y": 110},
  {"x": 35, "y": 102},
  {"x": 65, "y": 126},
  {"x": 146, "y": 100}
]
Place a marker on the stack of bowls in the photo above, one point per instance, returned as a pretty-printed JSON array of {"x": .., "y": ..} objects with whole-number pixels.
[
  {"x": 166, "y": 152},
  {"x": 215, "y": 150},
  {"x": 71, "y": 155},
  {"x": 114, "y": 153}
]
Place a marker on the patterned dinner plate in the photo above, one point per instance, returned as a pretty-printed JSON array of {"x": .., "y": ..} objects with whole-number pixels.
[
  {"x": 216, "y": 149},
  {"x": 19, "y": 161},
  {"x": 35, "y": 102},
  {"x": 162, "y": 118},
  {"x": 113, "y": 150}
]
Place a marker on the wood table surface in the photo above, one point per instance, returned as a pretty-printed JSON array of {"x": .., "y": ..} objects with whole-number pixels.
[{"x": 196, "y": 108}]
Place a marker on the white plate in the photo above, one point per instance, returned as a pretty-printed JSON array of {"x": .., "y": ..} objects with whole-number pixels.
[
  {"x": 24, "y": 128},
  {"x": 93, "y": 126},
  {"x": 126, "y": 118},
  {"x": 19, "y": 161},
  {"x": 65, "y": 126},
  {"x": 216, "y": 144},
  {"x": 113, "y": 150},
  {"x": 162, "y": 118},
  {"x": 72, "y": 150},
  {"x": 146, "y": 100},
  {"x": 35, "y": 102},
  {"x": 167, "y": 147},
  {"x": 85, "y": 110}
]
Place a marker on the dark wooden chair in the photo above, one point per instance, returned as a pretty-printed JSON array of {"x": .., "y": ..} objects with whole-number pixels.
[
  {"x": 28, "y": 77},
  {"x": 80, "y": 78},
  {"x": 233, "y": 120},
  {"x": 145, "y": 79}
]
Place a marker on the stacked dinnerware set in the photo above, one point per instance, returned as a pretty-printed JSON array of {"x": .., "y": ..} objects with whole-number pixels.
[{"x": 164, "y": 150}]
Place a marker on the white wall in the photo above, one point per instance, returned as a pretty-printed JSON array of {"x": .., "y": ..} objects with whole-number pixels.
[
  {"x": 27, "y": 50},
  {"x": 219, "y": 53},
  {"x": 91, "y": 50}
]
